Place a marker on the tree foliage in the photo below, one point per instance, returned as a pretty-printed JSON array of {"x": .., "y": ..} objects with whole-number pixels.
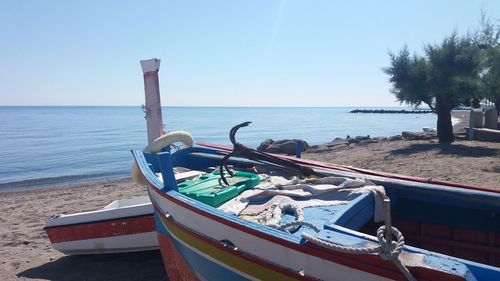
[
  {"x": 443, "y": 78},
  {"x": 488, "y": 40}
]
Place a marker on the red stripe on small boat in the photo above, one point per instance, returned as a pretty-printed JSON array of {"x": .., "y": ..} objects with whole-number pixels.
[
  {"x": 101, "y": 229},
  {"x": 366, "y": 171}
]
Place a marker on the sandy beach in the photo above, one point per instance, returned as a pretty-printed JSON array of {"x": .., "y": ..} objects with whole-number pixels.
[
  {"x": 471, "y": 162},
  {"x": 26, "y": 253}
]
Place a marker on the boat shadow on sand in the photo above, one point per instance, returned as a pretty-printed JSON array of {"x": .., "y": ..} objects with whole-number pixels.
[
  {"x": 448, "y": 149},
  {"x": 125, "y": 266}
]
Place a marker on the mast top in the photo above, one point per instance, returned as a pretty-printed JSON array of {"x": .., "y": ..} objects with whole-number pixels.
[{"x": 150, "y": 65}]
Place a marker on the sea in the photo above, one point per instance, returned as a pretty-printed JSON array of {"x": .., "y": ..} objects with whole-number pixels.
[{"x": 56, "y": 145}]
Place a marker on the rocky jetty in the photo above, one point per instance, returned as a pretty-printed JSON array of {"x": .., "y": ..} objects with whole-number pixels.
[
  {"x": 403, "y": 111},
  {"x": 418, "y": 135},
  {"x": 288, "y": 146}
]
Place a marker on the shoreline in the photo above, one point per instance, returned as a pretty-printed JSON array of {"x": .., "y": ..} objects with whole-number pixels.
[
  {"x": 50, "y": 183},
  {"x": 327, "y": 149}
]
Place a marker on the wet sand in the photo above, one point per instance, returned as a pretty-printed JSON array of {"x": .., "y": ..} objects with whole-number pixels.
[{"x": 26, "y": 253}]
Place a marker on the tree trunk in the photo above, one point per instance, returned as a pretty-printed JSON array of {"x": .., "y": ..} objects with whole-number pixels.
[
  {"x": 444, "y": 126},
  {"x": 497, "y": 104}
]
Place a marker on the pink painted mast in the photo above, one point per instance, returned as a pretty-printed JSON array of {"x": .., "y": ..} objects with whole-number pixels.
[{"x": 152, "y": 106}]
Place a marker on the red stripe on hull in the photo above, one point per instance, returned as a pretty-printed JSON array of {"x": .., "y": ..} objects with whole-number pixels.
[
  {"x": 176, "y": 267},
  {"x": 102, "y": 229}
]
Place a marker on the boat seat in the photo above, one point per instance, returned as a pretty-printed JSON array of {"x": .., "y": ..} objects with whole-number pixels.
[
  {"x": 357, "y": 213},
  {"x": 353, "y": 215}
]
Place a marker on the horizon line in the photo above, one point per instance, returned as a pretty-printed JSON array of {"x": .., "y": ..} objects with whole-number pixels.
[{"x": 212, "y": 106}]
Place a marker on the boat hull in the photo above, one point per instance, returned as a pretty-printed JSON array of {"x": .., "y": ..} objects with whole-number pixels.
[
  {"x": 125, "y": 225},
  {"x": 102, "y": 237},
  {"x": 210, "y": 244}
]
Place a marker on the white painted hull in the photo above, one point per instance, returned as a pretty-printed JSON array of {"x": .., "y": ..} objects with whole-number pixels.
[
  {"x": 125, "y": 225},
  {"x": 117, "y": 244}
]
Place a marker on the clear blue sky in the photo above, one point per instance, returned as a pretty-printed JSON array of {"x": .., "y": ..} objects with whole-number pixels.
[{"x": 216, "y": 53}]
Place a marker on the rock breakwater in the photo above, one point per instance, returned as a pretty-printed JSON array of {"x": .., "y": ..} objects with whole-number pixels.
[{"x": 289, "y": 146}]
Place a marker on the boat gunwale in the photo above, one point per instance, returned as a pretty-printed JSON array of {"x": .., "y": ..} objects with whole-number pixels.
[{"x": 96, "y": 221}]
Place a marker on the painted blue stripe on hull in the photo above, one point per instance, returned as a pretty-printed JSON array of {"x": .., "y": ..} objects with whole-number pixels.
[{"x": 204, "y": 268}]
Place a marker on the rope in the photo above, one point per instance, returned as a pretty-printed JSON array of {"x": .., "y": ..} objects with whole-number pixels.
[
  {"x": 293, "y": 225},
  {"x": 290, "y": 226},
  {"x": 386, "y": 251},
  {"x": 286, "y": 227},
  {"x": 146, "y": 111}
]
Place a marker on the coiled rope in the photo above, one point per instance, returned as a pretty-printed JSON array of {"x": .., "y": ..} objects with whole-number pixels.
[
  {"x": 292, "y": 226},
  {"x": 387, "y": 249}
]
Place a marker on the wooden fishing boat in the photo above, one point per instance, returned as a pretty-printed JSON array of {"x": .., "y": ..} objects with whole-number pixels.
[{"x": 430, "y": 230}]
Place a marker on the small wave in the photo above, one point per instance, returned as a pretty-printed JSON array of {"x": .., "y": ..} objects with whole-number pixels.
[{"x": 58, "y": 181}]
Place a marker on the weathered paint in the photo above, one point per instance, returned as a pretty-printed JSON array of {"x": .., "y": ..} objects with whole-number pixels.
[
  {"x": 100, "y": 229},
  {"x": 174, "y": 264},
  {"x": 152, "y": 106}
]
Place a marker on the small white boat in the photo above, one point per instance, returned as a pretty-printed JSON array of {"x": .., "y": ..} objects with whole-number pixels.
[{"x": 125, "y": 225}]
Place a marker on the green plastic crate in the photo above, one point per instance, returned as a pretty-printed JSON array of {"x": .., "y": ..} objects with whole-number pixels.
[{"x": 207, "y": 188}]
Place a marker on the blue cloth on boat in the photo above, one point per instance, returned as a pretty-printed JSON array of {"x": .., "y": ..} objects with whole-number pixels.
[{"x": 263, "y": 204}]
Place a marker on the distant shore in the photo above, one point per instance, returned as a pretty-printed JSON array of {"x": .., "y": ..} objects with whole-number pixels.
[
  {"x": 26, "y": 252},
  {"x": 391, "y": 111}
]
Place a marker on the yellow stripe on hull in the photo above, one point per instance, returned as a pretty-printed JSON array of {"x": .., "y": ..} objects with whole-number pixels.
[{"x": 233, "y": 261}]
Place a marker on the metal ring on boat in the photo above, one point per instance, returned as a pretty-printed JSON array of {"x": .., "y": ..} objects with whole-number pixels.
[{"x": 156, "y": 146}]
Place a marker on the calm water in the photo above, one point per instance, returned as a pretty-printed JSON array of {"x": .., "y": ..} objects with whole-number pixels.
[{"x": 41, "y": 146}]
